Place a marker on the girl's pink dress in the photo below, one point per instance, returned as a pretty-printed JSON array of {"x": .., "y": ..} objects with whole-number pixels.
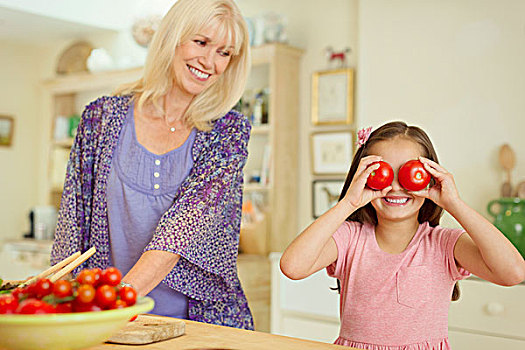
[{"x": 395, "y": 301}]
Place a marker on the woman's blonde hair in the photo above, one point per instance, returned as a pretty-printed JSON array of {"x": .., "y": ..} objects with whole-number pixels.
[{"x": 185, "y": 19}]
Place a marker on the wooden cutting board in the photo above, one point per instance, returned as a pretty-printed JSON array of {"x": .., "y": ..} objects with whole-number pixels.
[{"x": 148, "y": 329}]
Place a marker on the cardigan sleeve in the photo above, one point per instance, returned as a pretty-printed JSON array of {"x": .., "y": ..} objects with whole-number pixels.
[
  {"x": 75, "y": 205},
  {"x": 203, "y": 224}
]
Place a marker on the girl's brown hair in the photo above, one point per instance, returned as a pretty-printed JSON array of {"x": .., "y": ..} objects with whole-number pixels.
[{"x": 430, "y": 211}]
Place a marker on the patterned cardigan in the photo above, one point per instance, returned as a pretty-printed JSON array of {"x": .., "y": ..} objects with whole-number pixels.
[{"x": 202, "y": 225}]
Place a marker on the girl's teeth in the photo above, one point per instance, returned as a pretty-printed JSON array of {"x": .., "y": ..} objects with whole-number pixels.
[
  {"x": 397, "y": 201},
  {"x": 199, "y": 73}
]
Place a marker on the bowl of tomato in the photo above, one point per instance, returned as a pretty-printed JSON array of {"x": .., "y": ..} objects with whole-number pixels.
[{"x": 68, "y": 314}]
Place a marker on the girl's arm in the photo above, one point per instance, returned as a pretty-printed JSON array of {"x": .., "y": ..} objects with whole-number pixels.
[
  {"x": 314, "y": 248},
  {"x": 484, "y": 251}
]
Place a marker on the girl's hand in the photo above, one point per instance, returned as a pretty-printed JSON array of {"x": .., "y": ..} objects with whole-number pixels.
[
  {"x": 444, "y": 192},
  {"x": 358, "y": 195}
]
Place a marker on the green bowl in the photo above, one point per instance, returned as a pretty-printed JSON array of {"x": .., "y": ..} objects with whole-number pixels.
[{"x": 66, "y": 331}]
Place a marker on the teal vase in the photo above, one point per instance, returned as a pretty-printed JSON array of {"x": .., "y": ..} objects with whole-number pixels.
[{"x": 509, "y": 218}]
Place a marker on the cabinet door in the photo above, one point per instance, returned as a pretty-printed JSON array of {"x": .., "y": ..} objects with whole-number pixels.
[
  {"x": 490, "y": 309},
  {"x": 469, "y": 341}
]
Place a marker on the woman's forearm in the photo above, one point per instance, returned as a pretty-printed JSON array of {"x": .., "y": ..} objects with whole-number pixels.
[
  {"x": 500, "y": 256},
  {"x": 150, "y": 270}
]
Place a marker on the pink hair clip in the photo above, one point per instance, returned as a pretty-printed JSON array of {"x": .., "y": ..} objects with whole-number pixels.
[{"x": 363, "y": 135}]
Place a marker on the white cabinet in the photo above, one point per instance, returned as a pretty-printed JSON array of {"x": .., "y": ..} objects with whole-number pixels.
[
  {"x": 306, "y": 309},
  {"x": 487, "y": 316},
  {"x": 20, "y": 259}
]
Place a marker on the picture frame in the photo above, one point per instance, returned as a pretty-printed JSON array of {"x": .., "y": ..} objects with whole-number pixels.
[
  {"x": 333, "y": 97},
  {"x": 7, "y": 127},
  {"x": 331, "y": 152},
  {"x": 325, "y": 194}
]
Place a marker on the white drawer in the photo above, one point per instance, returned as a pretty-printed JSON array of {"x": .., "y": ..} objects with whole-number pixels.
[
  {"x": 299, "y": 326},
  {"x": 469, "y": 341},
  {"x": 490, "y": 309}
]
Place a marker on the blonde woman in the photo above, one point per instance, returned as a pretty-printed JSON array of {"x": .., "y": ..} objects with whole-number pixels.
[{"x": 154, "y": 180}]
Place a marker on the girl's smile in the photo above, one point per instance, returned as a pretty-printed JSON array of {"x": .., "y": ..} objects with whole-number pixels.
[{"x": 396, "y": 200}]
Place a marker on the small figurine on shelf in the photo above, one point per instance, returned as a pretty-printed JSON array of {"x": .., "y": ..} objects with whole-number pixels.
[{"x": 337, "y": 59}]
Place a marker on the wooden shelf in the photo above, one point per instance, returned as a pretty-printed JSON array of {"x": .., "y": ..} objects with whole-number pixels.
[{"x": 65, "y": 143}]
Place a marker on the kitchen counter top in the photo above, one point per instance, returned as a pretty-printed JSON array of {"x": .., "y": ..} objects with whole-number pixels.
[{"x": 202, "y": 336}]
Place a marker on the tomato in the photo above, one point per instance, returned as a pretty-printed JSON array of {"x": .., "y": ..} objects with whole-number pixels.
[
  {"x": 382, "y": 177},
  {"x": 118, "y": 304},
  {"x": 98, "y": 275},
  {"x": 413, "y": 175},
  {"x": 128, "y": 294},
  {"x": 105, "y": 296},
  {"x": 64, "y": 308},
  {"x": 86, "y": 276},
  {"x": 85, "y": 293},
  {"x": 34, "y": 306},
  {"x": 133, "y": 318},
  {"x": 8, "y": 304},
  {"x": 43, "y": 287},
  {"x": 19, "y": 292},
  {"x": 111, "y": 276},
  {"x": 62, "y": 289},
  {"x": 89, "y": 307}
]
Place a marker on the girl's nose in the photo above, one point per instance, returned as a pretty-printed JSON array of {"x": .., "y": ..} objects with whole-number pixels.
[{"x": 395, "y": 184}]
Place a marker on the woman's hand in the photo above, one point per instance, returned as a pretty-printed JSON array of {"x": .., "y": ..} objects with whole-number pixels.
[
  {"x": 444, "y": 192},
  {"x": 358, "y": 195}
]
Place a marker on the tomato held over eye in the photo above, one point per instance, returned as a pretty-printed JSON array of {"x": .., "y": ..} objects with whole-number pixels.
[
  {"x": 413, "y": 176},
  {"x": 382, "y": 177}
]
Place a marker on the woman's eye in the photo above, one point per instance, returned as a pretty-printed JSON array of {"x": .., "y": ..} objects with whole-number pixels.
[
  {"x": 200, "y": 42},
  {"x": 225, "y": 53}
]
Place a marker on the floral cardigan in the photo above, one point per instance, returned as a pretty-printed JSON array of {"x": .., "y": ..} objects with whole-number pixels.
[{"x": 202, "y": 225}]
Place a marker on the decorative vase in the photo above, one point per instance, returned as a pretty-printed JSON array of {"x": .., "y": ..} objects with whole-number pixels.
[{"x": 509, "y": 218}]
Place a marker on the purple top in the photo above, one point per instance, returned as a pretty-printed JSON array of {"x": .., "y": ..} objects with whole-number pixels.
[
  {"x": 202, "y": 225},
  {"x": 141, "y": 187}
]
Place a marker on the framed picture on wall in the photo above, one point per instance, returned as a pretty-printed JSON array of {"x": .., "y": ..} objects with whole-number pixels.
[
  {"x": 7, "y": 126},
  {"x": 333, "y": 97},
  {"x": 331, "y": 152},
  {"x": 325, "y": 194}
]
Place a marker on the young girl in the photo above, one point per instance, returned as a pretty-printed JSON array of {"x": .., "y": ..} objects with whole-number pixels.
[{"x": 396, "y": 266}]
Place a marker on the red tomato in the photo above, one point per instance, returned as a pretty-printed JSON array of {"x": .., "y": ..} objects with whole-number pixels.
[
  {"x": 105, "y": 296},
  {"x": 98, "y": 275},
  {"x": 86, "y": 276},
  {"x": 382, "y": 177},
  {"x": 111, "y": 276},
  {"x": 62, "y": 289},
  {"x": 413, "y": 175},
  {"x": 133, "y": 318},
  {"x": 64, "y": 308},
  {"x": 34, "y": 306},
  {"x": 19, "y": 292},
  {"x": 85, "y": 293},
  {"x": 43, "y": 287},
  {"x": 8, "y": 304},
  {"x": 128, "y": 294},
  {"x": 89, "y": 307},
  {"x": 119, "y": 304}
]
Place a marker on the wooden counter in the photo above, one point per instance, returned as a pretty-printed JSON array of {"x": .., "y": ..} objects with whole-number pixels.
[{"x": 202, "y": 336}]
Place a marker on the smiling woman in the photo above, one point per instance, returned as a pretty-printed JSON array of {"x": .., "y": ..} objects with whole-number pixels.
[{"x": 154, "y": 180}]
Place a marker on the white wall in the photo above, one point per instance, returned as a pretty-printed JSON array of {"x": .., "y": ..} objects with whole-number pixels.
[
  {"x": 456, "y": 69},
  {"x": 18, "y": 174}
]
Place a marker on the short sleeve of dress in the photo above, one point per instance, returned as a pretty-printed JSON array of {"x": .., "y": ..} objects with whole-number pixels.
[
  {"x": 455, "y": 272},
  {"x": 344, "y": 237}
]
